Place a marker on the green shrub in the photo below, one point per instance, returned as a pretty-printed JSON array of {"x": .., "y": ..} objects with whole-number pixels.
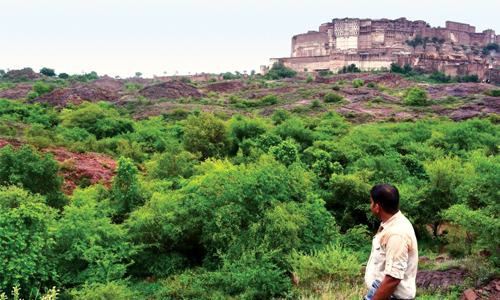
[
  {"x": 280, "y": 116},
  {"x": 491, "y": 47},
  {"x": 309, "y": 79},
  {"x": 315, "y": 103},
  {"x": 171, "y": 165},
  {"x": 440, "y": 77},
  {"x": 125, "y": 191},
  {"x": 468, "y": 78},
  {"x": 86, "y": 116},
  {"x": 336, "y": 88},
  {"x": 298, "y": 109},
  {"x": 252, "y": 276},
  {"x": 481, "y": 225},
  {"x": 104, "y": 291},
  {"x": 63, "y": 75},
  {"x": 207, "y": 135},
  {"x": 331, "y": 263},
  {"x": 32, "y": 95},
  {"x": 333, "y": 98},
  {"x": 232, "y": 98},
  {"x": 41, "y": 88},
  {"x": 278, "y": 70},
  {"x": 26, "y": 240},
  {"x": 110, "y": 127},
  {"x": 372, "y": 85},
  {"x": 178, "y": 113},
  {"x": 133, "y": 87},
  {"x": 349, "y": 69},
  {"x": 89, "y": 247},
  {"x": 270, "y": 99},
  {"x": 285, "y": 152},
  {"x": 416, "y": 97},
  {"x": 356, "y": 238},
  {"x": 47, "y": 72},
  {"x": 494, "y": 118},
  {"x": 358, "y": 83},
  {"x": 35, "y": 173},
  {"x": 493, "y": 93}
]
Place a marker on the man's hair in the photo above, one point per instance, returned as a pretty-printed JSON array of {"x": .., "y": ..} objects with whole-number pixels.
[{"x": 387, "y": 196}]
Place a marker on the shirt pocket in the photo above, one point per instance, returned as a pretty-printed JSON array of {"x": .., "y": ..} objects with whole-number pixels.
[{"x": 378, "y": 252}]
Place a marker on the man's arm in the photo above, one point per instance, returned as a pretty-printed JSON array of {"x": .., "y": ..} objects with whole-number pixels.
[{"x": 387, "y": 288}]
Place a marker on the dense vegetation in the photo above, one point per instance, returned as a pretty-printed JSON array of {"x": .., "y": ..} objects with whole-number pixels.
[{"x": 207, "y": 208}]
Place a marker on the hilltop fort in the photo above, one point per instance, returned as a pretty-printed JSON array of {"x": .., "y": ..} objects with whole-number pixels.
[{"x": 370, "y": 44}]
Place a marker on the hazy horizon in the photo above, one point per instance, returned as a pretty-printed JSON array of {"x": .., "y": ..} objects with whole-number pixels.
[{"x": 152, "y": 37}]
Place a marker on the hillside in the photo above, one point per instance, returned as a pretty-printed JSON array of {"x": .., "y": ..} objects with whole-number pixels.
[{"x": 246, "y": 188}]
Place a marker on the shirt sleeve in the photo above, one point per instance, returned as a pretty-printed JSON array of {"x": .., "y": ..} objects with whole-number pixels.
[{"x": 396, "y": 260}]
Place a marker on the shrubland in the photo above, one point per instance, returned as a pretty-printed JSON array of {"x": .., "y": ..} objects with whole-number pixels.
[{"x": 210, "y": 206}]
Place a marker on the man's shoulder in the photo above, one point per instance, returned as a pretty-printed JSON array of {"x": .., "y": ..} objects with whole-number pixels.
[{"x": 401, "y": 226}]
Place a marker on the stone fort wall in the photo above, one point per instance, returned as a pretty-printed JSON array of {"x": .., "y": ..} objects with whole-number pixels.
[
  {"x": 356, "y": 34},
  {"x": 375, "y": 44}
]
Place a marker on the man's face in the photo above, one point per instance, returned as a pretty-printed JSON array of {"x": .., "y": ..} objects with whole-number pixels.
[{"x": 375, "y": 208}]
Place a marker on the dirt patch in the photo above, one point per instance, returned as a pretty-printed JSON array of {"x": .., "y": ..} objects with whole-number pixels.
[
  {"x": 340, "y": 77},
  {"x": 460, "y": 90},
  {"x": 364, "y": 94},
  {"x": 471, "y": 110},
  {"x": 225, "y": 86},
  {"x": 276, "y": 91},
  {"x": 434, "y": 279},
  {"x": 157, "y": 109},
  {"x": 170, "y": 90},
  {"x": 96, "y": 168},
  {"x": 24, "y": 74},
  {"x": 109, "y": 84},
  {"x": 390, "y": 80},
  {"x": 138, "y": 80},
  {"x": 16, "y": 92},
  {"x": 77, "y": 95}
]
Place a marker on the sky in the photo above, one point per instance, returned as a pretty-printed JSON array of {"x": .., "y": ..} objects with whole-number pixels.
[{"x": 122, "y": 37}]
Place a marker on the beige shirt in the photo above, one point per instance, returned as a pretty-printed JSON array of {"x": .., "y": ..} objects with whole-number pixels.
[{"x": 394, "y": 253}]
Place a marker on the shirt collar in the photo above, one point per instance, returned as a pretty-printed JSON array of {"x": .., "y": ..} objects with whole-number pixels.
[{"x": 391, "y": 220}]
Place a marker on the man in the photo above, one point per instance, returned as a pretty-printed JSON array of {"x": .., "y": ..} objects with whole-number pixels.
[{"x": 392, "y": 268}]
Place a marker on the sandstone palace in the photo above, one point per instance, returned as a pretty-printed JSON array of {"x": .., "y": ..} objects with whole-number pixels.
[{"x": 455, "y": 50}]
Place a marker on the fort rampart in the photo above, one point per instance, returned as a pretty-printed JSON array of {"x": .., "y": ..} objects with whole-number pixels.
[{"x": 375, "y": 44}]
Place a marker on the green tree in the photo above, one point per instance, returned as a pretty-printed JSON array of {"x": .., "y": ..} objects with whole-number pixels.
[
  {"x": 110, "y": 127},
  {"x": 26, "y": 240},
  {"x": 63, "y": 75},
  {"x": 87, "y": 116},
  {"x": 285, "y": 152},
  {"x": 279, "y": 70},
  {"x": 89, "y": 247},
  {"x": 41, "y": 88},
  {"x": 352, "y": 68},
  {"x": 416, "y": 97},
  {"x": 280, "y": 116},
  {"x": 125, "y": 191},
  {"x": 207, "y": 135},
  {"x": 138, "y": 74},
  {"x": 48, "y": 72},
  {"x": 35, "y": 173}
]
